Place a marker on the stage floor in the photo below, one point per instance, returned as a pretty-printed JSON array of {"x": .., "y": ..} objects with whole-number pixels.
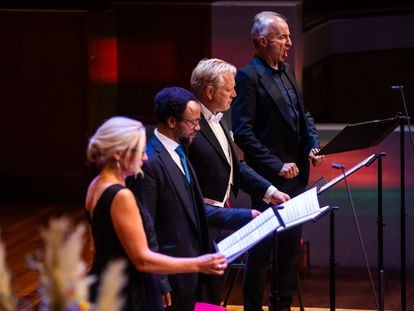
[
  {"x": 240, "y": 308},
  {"x": 20, "y": 223}
]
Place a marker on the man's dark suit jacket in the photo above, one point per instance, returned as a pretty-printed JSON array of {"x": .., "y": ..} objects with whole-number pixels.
[
  {"x": 213, "y": 169},
  {"x": 180, "y": 217},
  {"x": 178, "y": 213},
  {"x": 263, "y": 127}
]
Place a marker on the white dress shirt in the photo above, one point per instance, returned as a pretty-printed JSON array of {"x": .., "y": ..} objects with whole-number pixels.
[
  {"x": 213, "y": 121},
  {"x": 170, "y": 145}
]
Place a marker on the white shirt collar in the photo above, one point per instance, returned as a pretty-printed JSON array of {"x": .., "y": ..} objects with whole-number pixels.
[
  {"x": 209, "y": 116},
  {"x": 167, "y": 142}
]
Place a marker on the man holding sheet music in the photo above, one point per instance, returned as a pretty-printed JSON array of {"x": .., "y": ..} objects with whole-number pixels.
[
  {"x": 213, "y": 154},
  {"x": 170, "y": 191},
  {"x": 278, "y": 137}
]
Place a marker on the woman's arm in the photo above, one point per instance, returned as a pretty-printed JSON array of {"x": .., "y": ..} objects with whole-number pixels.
[{"x": 130, "y": 230}]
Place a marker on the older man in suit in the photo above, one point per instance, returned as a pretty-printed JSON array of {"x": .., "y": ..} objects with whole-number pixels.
[
  {"x": 170, "y": 191},
  {"x": 278, "y": 137},
  {"x": 212, "y": 152}
]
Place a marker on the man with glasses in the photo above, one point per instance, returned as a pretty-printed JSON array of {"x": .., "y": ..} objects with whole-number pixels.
[{"x": 170, "y": 191}]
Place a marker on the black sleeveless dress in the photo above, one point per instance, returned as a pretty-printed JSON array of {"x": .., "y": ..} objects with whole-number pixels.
[{"x": 141, "y": 293}]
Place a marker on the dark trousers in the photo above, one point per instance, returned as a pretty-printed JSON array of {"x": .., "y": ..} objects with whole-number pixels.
[
  {"x": 260, "y": 258},
  {"x": 212, "y": 286},
  {"x": 183, "y": 303}
]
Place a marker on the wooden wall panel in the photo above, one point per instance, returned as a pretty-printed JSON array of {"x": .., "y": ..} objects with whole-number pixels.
[
  {"x": 49, "y": 104},
  {"x": 42, "y": 95},
  {"x": 158, "y": 46}
]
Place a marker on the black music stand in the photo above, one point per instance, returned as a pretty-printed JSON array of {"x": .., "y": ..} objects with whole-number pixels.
[{"x": 360, "y": 136}]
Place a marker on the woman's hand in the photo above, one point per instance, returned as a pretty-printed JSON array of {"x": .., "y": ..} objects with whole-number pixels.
[{"x": 212, "y": 264}]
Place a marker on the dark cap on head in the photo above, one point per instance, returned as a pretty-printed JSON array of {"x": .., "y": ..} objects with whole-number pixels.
[{"x": 171, "y": 102}]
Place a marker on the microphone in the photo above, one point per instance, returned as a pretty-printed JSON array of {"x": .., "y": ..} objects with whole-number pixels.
[
  {"x": 397, "y": 87},
  {"x": 338, "y": 166}
]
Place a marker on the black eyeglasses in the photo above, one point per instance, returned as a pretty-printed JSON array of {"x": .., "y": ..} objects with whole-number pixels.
[{"x": 194, "y": 123}]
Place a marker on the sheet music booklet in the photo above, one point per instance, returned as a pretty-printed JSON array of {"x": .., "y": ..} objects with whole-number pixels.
[{"x": 300, "y": 209}]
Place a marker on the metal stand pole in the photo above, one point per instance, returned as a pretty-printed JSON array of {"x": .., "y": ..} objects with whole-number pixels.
[
  {"x": 403, "y": 280},
  {"x": 332, "y": 260},
  {"x": 274, "y": 298},
  {"x": 381, "y": 225}
]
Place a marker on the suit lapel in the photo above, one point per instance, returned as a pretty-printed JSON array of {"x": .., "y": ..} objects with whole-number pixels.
[
  {"x": 211, "y": 138},
  {"x": 269, "y": 85},
  {"x": 176, "y": 179},
  {"x": 235, "y": 159}
]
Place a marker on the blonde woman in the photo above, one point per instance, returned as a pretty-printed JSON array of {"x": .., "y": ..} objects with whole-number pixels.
[{"x": 119, "y": 225}]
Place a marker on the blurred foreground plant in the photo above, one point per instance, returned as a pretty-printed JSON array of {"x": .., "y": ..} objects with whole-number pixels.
[
  {"x": 64, "y": 284},
  {"x": 7, "y": 299}
]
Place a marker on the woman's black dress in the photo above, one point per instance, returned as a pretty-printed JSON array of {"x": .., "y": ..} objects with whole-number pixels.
[{"x": 141, "y": 292}]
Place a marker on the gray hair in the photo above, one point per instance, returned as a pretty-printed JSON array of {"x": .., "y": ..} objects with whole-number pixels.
[
  {"x": 209, "y": 71},
  {"x": 261, "y": 24}
]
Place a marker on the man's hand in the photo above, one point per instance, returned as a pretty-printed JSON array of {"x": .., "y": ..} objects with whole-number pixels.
[
  {"x": 255, "y": 213},
  {"x": 279, "y": 197},
  {"x": 289, "y": 170},
  {"x": 316, "y": 160}
]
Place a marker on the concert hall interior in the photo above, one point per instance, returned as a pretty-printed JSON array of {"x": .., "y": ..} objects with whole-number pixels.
[{"x": 69, "y": 65}]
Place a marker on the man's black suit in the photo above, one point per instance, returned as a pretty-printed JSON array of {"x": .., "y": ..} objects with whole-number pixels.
[
  {"x": 213, "y": 171},
  {"x": 178, "y": 212},
  {"x": 264, "y": 130},
  {"x": 180, "y": 217}
]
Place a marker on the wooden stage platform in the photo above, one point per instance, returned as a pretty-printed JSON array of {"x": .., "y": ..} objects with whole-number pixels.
[{"x": 20, "y": 223}]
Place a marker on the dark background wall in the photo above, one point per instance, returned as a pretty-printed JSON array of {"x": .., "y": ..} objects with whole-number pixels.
[
  {"x": 65, "y": 67},
  {"x": 43, "y": 88}
]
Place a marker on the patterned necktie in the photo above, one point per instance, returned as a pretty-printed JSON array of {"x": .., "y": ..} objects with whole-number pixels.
[{"x": 183, "y": 159}]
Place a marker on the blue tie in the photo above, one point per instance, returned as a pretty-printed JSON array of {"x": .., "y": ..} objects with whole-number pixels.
[{"x": 183, "y": 159}]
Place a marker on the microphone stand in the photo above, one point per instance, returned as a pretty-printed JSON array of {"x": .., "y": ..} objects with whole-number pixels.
[
  {"x": 381, "y": 225},
  {"x": 403, "y": 255},
  {"x": 380, "y": 231},
  {"x": 403, "y": 261},
  {"x": 274, "y": 298},
  {"x": 322, "y": 188},
  {"x": 332, "y": 261},
  {"x": 406, "y": 115},
  {"x": 361, "y": 241}
]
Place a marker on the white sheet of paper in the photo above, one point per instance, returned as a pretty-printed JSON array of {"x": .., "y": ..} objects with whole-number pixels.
[
  {"x": 251, "y": 233},
  {"x": 302, "y": 208}
]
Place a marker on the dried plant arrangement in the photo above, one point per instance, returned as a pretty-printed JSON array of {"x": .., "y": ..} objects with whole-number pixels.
[
  {"x": 64, "y": 284},
  {"x": 110, "y": 289},
  {"x": 7, "y": 299}
]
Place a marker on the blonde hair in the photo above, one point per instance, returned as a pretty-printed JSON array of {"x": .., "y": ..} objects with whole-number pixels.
[
  {"x": 116, "y": 134},
  {"x": 209, "y": 71}
]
